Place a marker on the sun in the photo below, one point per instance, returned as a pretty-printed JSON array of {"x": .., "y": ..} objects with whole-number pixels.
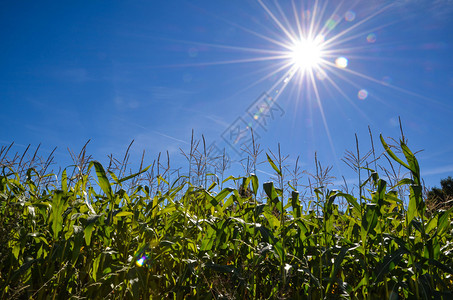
[{"x": 307, "y": 53}]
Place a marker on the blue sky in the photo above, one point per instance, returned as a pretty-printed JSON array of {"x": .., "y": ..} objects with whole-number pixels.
[{"x": 151, "y": 71}]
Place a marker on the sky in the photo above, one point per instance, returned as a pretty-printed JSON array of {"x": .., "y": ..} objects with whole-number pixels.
[{"x": 153, "y": 71}]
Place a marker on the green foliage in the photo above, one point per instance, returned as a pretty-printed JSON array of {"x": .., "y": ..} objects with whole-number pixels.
[{"x": 90, "y": 238}]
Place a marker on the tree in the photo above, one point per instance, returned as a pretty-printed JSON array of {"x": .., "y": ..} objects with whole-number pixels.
[{"x": 441, "y": 198}]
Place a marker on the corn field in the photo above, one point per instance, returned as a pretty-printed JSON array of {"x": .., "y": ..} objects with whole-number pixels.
[{"x": 101, "y": 234}]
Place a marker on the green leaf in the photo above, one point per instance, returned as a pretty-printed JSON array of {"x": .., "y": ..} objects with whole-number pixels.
[
  {"x": 443, "y": 267},
  {"x": 271, "y": 162},
  {"x": 255, "y": 184},
  {"x": 273, "y": 221},
  {"x": 389, "y": 263},
  {"x": 16, "y": 250},
  {"x": 208, "y": 239},
  {"x": 382, "y": 185},
  {"x": 134, "y": 175},
  {"x": 94, "y": 270},
  {"x": 413, "y": 163},
  {"x": 444, "y": 221},
  {"x": 160, "y": 178},
  {"x": 352, "y": 201},
  {"x": 57, "y": 213},
  {"x": 124, "y": 213},
  {"x": 336, "y": 267},
  {"x": 369, "y": 222},
  {"x": 78, "y": 237},
  {"x": 295, "y": 203},
  {"x": 432, "y": 224},
  {"x": 416, "y": 205},
  {"x": 404, "y": 181},
  {"x": 279, "y": 249},
  {"x": 64, "y": 181},
  {"x": 88, "y": 231},
  {"x": 231, "y": 178},
  {"x": 328, "y": 205},
  {"x": 229, "y": 202},
  {"x": 211, "y": 200},
  {"x": 212, "y": 186},
  {"x": 246, "y": 182},
  {"x": 102, "y": 178},
  {"x": 114, "y": 177},
  {"x": 392, "y": 155},
  {"x": 436, "y": 248},
  {"x": 223, "y": 193},
  {"x": 270, "y": 191}
]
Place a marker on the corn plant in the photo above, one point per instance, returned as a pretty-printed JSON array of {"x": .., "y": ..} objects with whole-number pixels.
[{"x": 96, "y": 235}]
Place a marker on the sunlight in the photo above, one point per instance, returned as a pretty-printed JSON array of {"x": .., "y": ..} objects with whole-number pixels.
[
  {"x": 306, "y": 54},
  {"x": 312, "y": 46}
]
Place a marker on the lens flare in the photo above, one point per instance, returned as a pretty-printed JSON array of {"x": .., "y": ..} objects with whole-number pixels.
[
  {"x": 362, "y": 94},
  {"x": 141, "y": 261},
  {"x": 341, "y": 62},
  {"x": 371, "y": 38},
  {"x": 349, "y": 16},
  {"x": 332, "y": 22}
]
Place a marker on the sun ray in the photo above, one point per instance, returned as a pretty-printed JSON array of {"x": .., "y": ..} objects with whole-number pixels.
[
  {"x": 227, "y": 47},
  {"x": 289, "y": 73},
  {"x": 288, "y": 34},
  {"x": 226, "y": 62},
  {"x": 256, "y": 82},
  {"x": 357, "y": 35},
  {"x": 329, "y": 42},
  {"x": 325, "y": 30},
  {"x": 324, "y": 120},
  {"x": 296, "y": 18},
  {"x": 245, "y": 29},
  {"x": 339, "y": 90},
  {"x": 316, "y": 46},
  {"x": 288, "y": 26},
  {"x": 315, "y": 22},
  {"x": 361, "y": 75}
]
